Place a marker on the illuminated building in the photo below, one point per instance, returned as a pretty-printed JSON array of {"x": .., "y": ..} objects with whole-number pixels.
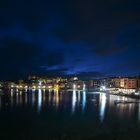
[{"x": 128, "y": 83}]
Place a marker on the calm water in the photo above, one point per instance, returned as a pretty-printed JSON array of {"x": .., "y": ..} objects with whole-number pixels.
[{"x": 44, "y": 115}]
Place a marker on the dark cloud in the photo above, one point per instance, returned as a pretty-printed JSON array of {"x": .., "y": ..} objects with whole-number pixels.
[
  {"x": 127, "y": 68},
  {"x": 96, "y": 20},
  {"x": 102, "y": 24},
  {"x": 60, "y": 72},
  {"x": 32, "y": 15},
  {"x": 19, "y": 58},
  {"x": 108, "y": 51},
  {"x": 90, "y": 75}
]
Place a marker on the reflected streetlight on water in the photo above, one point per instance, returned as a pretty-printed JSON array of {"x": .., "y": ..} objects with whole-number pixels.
[
  {"x": 0, "y": 102},
  {"x": 79, "y": 97},
  {"x": 102, "y": 106},
  {"x": 12, "y": 97},
  {"x": 20, "y": 98},
  {"x": 26, "y": 98},
  {"x": 39, "y": 100},
  {"x": 139, "y": 112},
  {"x": 56, "y": 96},
  {"x": 17, "y": 98},
  {"x": 49, "y": 96},
  {"x": 33, "y": 98},
  {"x": 84, "y": 101},
  {"x": 73, "y": 100},
  {"x": 44, "y": 97}
]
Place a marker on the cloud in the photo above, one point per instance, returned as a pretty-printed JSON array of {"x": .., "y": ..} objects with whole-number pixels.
[
  {"x": 101, "y": 24},
  {"x": 90, "y": 75},
  {"x": 19, "y": 58},
  {"x": 93, "y": 21},
  {"x": 31, "y": 14},
  {"x": 59, "y": 72},
  {"x": 108, "y": 51}
]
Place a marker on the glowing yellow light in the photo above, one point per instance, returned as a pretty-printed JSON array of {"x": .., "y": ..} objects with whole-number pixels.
[
  {"x": 57, "y": 87},
  {"x": 49, "y": 87},
  {"x": 34, "y": 87}
]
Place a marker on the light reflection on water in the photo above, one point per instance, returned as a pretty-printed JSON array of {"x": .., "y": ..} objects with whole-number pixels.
[
  {"x": 17, "y": 99},
  {"x": 33, "y": 98},
  {"x": 84, "y": 101},
  {"x": 20, "y": 97},
  {"x": 102, "y": 106},
  {"x": 56, "y": 98},
  {"x": 39, "y": 100},
  {"x": 0, "y": 101},
  {"x": 139, "y": 112},
  {"x": 53, "y": 113},
  {"x": 12, "y": 96},
  {"x": 76, "y": 100},
  {"x": 79, "y": 97},
  {"x": 73, "y": 101}
]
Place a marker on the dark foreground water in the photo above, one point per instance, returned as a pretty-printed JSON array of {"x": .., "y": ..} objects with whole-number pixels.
[{"x": 44, "y": 115}]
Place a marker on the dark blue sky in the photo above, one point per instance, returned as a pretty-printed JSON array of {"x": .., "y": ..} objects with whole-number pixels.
[{"x": 92, "y": 38}]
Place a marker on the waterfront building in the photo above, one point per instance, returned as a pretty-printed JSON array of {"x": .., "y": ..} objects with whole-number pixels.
[
  {"x": 117, "y": 82},
  {"x": 128, "y": 83}
]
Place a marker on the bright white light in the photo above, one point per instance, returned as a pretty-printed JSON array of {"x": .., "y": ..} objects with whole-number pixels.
[
  {"x": 103, "y": 88},
  {"x": 102, "y": 106},
  {"x": 40, "y": 83},
  {"x": 73, "y": 101},
  {"x": 75, "y": 78},
  {"x": 84, "y": 100},
  {"x": 84, "y": 87},
  {"x": 74, "y": 86},
  {"x": 39, "y": 100}
]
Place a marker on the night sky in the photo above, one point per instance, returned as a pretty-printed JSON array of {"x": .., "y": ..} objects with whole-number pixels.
[{"x": 88, "y": 38}]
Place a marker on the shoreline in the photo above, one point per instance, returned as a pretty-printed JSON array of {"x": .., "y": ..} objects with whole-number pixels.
[{"x": 126, "y": 95}]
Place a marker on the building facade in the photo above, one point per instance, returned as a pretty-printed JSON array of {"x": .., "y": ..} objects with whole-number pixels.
[{"x": 128, "y": 83}]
